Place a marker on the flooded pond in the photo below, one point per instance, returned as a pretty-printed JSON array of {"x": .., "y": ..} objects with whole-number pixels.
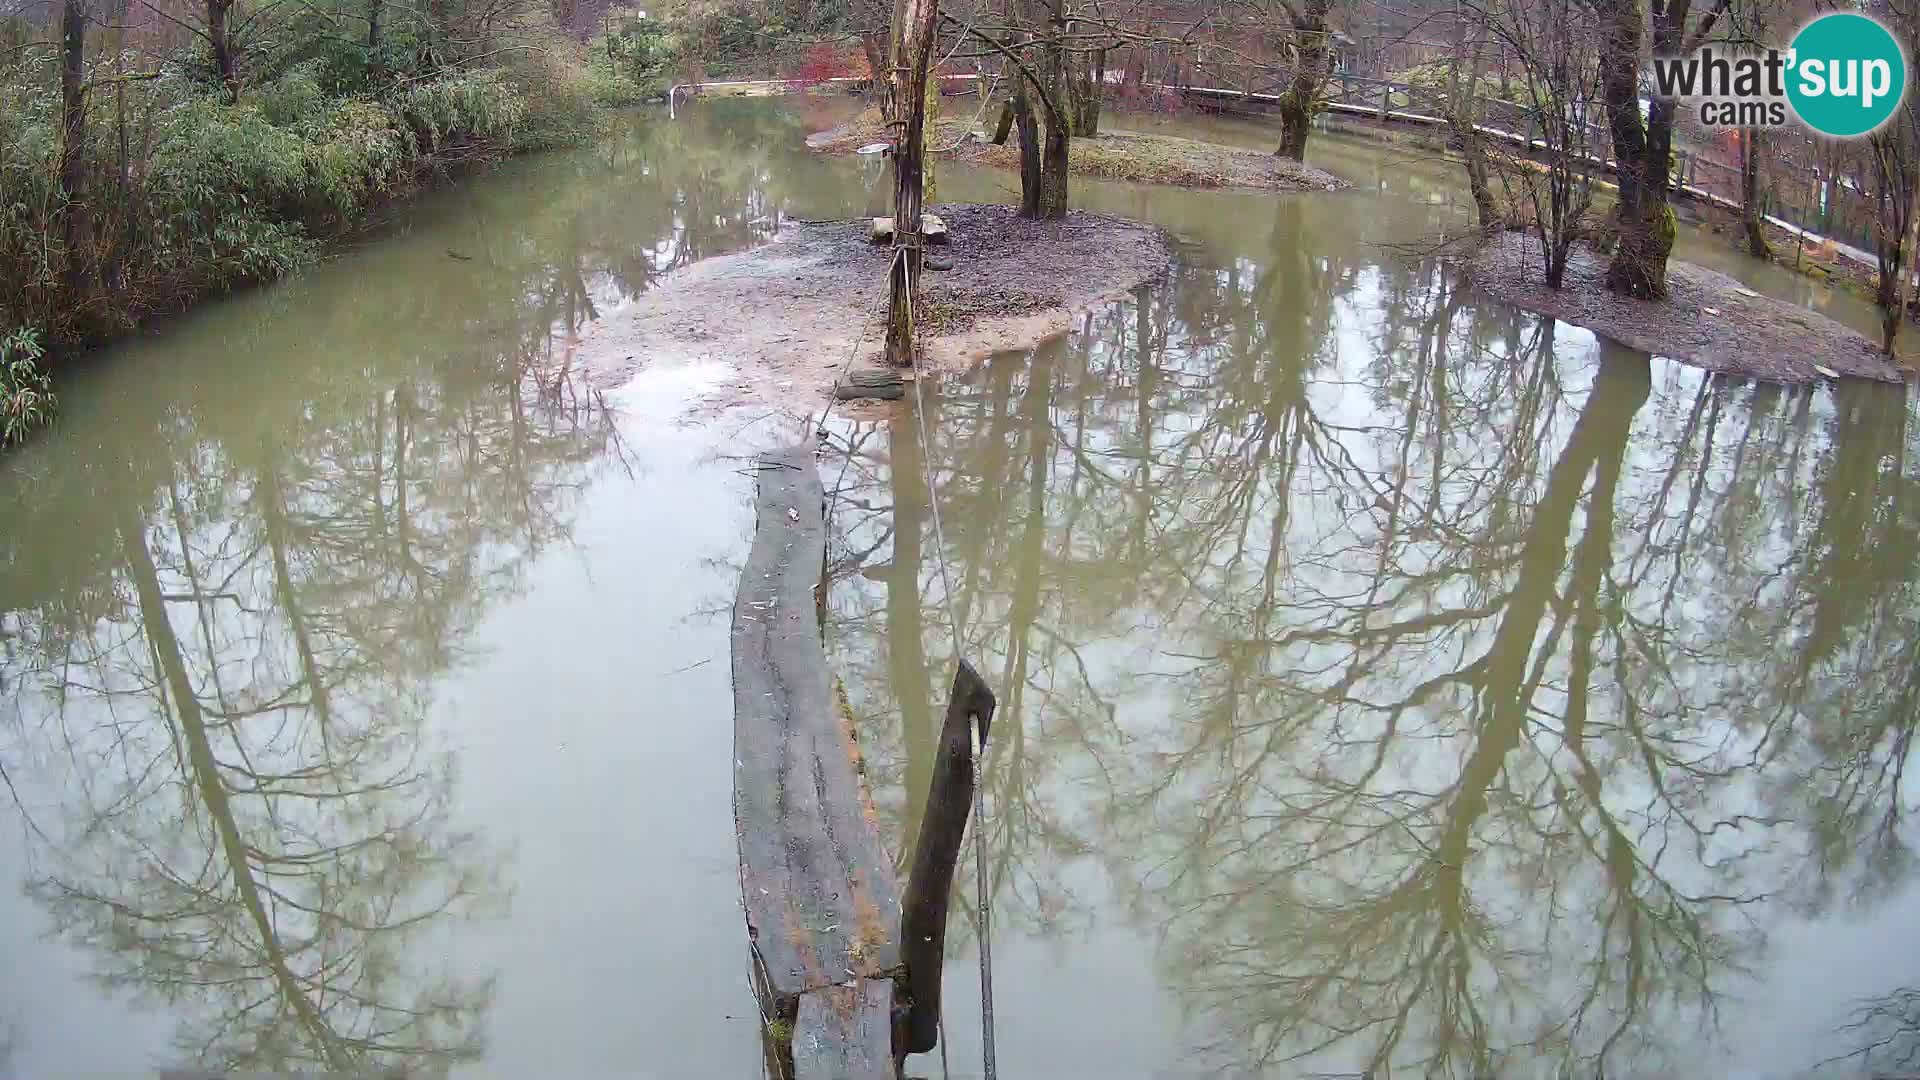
[{"x": 1391, "y": 681}]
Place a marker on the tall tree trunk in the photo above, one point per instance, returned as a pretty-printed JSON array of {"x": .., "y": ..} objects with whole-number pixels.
[
  {"x": 881, "y": 69},
  {"x": 1751, "y": 211},
  {"x": 1004, "y": 125},
  {"x": 76, "y": 211},
  {"x": 1051, "y": 203},
  {"x": 1088, "y": 80},
  {"x": 1053, "y": 171},
  {"x": 1311, "y": 60},
  {"x": 222, "y": 45},
  {"x": 1642, "y": 149},
  {"x": 1462, "y": 120},
  {"x": 915, "y": 36},
  {"x": 376, "y": 64},
  {"x": 1896, "y": 311},
  {"x": 1029, "y": 150}
]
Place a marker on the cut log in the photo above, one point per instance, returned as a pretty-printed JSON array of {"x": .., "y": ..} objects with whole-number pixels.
[
  {"x": 870, "y": 383},
  {"x": 932, "y": 226},
  {"x": 821, "y": 901}
]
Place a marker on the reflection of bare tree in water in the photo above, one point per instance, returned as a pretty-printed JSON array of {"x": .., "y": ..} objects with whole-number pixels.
[
  {"x": 257, "y": 826},
  {"x": 1451, "y": 707},
  {"x": 1886, "y": 1032}
]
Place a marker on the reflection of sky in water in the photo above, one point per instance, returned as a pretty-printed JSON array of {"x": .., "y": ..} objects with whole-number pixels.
[
  {"x": 1201, "y": 706},
  {"x": 1269, "y": 669}
]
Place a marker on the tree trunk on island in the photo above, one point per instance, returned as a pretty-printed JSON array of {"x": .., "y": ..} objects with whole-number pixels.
[
  {"x": 1088, "y": 80},
  {"x": 915, "y": 35},
  {"x": 1311, "y": 59},
  {"x": 1054, "y": 164},
  {"x": 1642, "y": 148},
  {"x": 1003, "y": 127},
  {"x": 1752, "y": 213},
  {"x": 1049, "y": 197},
  {"x": 1029, "y": 151}
]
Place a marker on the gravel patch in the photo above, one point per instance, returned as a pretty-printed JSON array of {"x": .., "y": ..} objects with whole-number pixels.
[{"x": 787, "y": 316}]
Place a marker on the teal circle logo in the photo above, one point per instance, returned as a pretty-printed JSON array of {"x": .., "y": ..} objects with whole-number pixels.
[{"x": 1846, "y": 74}]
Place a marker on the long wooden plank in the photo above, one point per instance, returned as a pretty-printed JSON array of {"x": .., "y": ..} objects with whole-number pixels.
[
  {"x": 822, "y": 904},
  {"x": 845, "y": 1032}
]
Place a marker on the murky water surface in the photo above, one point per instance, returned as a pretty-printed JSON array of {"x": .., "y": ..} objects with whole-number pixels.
[{"x": 1390, "y": 680}]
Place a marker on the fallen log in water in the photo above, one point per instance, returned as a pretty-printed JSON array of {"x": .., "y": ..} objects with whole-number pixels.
[{"x": 823, "y": 912}]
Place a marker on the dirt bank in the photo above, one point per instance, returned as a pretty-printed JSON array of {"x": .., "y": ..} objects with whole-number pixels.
[
  {"x": 1111, "y": 155},
  {"x": 786, "y": 316},
  {"x": 1711, "y": 320}
]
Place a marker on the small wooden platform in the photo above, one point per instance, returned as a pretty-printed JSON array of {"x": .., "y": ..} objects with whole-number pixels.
[{"x": 822, "y": 903}]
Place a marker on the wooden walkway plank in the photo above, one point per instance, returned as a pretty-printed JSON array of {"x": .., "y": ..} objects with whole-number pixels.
[
  {"x": 845, "y": 1032},
  {"x": 822, "y": 903}
]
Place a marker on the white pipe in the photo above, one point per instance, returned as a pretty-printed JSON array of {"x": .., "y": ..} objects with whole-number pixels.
[{"x": 677, "y": 87}]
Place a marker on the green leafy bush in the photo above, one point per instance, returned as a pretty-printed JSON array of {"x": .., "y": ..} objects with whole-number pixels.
[
  {"x": 26, "y": 394},
  {"x": 215, "y": 195}
]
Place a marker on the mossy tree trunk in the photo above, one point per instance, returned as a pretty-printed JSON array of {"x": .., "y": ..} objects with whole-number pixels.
[
  {"x": 1050, "y": 201},
  {"x": 1053, "y": 172},
  {"x": 1029, "y": 151},
  {"x": 1312, "y": 61},
  {"x": 1643, "y": 147}
]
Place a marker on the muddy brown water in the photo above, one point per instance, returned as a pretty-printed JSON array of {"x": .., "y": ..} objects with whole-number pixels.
[{"x": 1390, "y": 680}]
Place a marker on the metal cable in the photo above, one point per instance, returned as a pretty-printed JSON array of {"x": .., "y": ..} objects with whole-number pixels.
[
  {"x": 979, "y": 787},
  {"x": 846, "y": 459}
]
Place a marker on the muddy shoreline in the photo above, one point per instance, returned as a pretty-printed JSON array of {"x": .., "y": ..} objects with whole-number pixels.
[
  {"x": 789, "y": 316},
  {"x": 1711, "y": 320}
]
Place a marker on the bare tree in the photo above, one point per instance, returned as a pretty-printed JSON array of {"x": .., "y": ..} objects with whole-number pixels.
[
  {"x": 914, "y": 31},
  {"x": 1895, "y": 149},
  {"x": 1643, "y": 144},
  {"x": 1463, "y": 115},
  {"x": 1312, "y": 62},
  {"x": 1554, "y": 43}
]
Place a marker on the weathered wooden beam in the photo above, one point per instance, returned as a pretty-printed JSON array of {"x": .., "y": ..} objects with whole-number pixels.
[
  {"x": 923, "y": 924},
  {"x": 845, "y": 1032},
  {"x": 822, "y": 906}
]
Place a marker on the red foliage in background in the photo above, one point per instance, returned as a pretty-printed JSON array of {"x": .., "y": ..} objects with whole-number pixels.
[{"x": 829, "y": 61}]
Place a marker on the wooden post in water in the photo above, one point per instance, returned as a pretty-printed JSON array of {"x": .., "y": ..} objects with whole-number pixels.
[{"x": 923, "y": 919}]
